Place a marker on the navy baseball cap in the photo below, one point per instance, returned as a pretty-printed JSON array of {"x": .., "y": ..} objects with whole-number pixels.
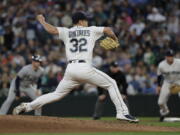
[
  {"x": 37, "y": 58},
  {"x": 169, "y": 52},
  {"x": 114, "y": 64},
  {"x": 80, "y": 15}
]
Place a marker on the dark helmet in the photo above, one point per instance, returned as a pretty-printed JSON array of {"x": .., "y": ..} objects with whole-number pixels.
[
  {"x": 77, "y": 16},
  {"x": 37, "y": 58},
  {"x": 169, "y": 52},
  {"x": 114, "y": 64}
]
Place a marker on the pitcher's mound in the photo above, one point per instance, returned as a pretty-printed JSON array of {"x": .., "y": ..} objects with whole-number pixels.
[{"x": 44, "y": 124}]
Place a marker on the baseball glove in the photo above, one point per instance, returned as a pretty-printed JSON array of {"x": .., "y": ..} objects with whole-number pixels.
[
  {"x": 108, "y": 43},
  {"x": 174, "y": 89}
]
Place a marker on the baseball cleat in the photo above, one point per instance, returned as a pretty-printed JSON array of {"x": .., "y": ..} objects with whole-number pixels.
[
  {"x": 96, "y": 118},
  {"x": 161, "y": 119},
  {"x": 129, "y": 118},
  {"x": 164, "y": 113},
  {"x": 19, "y": 109}
]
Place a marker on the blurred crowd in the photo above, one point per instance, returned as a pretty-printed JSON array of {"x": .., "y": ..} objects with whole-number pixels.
[{"x": 145, "y": 28}]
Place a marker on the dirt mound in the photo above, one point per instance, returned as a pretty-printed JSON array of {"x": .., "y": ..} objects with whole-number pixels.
[{"x": 44, "y": 124}]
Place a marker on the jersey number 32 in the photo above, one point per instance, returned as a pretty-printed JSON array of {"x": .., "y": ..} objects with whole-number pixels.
[{"x": 78, "y": 45}]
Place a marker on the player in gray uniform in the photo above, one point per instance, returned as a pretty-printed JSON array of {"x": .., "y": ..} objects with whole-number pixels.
[
  {"x": 79, "y": 43},
  {"x": 27, "y": 81},
  {"x": 168, "y": 74}
]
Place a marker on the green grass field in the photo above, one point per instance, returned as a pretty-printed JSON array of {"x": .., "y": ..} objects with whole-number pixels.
[
  {"x": 153, "y": 121},
  {"x": 144, "y": 121}
]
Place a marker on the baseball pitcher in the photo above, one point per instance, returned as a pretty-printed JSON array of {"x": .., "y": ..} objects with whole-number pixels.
[
  {"x": 28, "y": 82},
  {"x": 168, "y": 77},
  {"x": 79, "y": 43}
]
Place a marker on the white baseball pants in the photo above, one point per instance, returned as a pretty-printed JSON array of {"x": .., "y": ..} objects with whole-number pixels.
[
  {"x": 75, "y": 74},
  {"x": 164, "y": 96}
]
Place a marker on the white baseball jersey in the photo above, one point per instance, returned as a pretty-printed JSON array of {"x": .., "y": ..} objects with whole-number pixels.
[
  {"x": 171, "y": 73},
  {"x": 80, "y": 41}
]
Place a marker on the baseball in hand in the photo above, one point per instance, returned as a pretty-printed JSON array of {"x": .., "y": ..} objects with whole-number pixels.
[{"x": 40, "y": 18}]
